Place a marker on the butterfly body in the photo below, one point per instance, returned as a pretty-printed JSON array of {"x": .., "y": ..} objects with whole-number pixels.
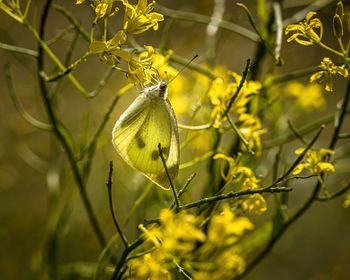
[{"x": 148, "y": 121}]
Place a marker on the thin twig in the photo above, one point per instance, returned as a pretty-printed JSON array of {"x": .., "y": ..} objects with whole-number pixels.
[
  {"x": 45, "y": 47},
  {"x": 183, "y": 190},
  {"x": 188, "y": 16},
  {"x": 212, "y": 30},
  {"x": 177, "y": 203},
  {"x": 19, "y": 107},
  {"x": 196, "y": 160},
  {"x": 288, "y": 137},
  {"x": 70, "y": 68},
  {"x": 194, "y": 127},
  {"x": 233, "y": 98},
  {"x": 240, "y": 136},
  {"x": 344, "y": 135},
  {"x": 238, "y": 90},
  {"x": 279, "y": 29},
  {"x": 17, "y": 49},
  {"x": 252, "y": 22},
  {"x": 336, "y": 194},
  {"x": 295, "y": 132},
  {"x": 316, "y": 5},
  {"x": 111, "y": 207},
  {"x": 73, "y": 21},
  {"x": 60, "y": 35},
  {"x": 124, "y": 256},
  {"x": 293, "y": 75},
  {"x": 233, "y": 194}
]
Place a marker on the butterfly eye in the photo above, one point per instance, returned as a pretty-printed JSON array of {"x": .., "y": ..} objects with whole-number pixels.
[
  {"x": 162, "y": 89},
  {"x": 163, "y": 86}
]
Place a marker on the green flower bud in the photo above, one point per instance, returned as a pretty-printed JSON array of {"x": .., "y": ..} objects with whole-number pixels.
[
  {"x": 340, "y": 10},
  {"x": 337, "y": 26}
]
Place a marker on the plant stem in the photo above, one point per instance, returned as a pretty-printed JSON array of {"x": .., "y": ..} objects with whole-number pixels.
[
  {"x": 111, "y": 207},
  {"x": 232, "y": 194},
  {"x": 61, "y": 138},
  {"x": 188, "y": 16},
  {"x": 177, "y": 203}
]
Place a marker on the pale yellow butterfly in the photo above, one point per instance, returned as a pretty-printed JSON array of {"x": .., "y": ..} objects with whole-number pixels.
[{"x": 149, "y": 120}]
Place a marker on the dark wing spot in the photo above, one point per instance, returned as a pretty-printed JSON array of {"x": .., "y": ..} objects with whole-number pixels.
[{"x": 155, "y": 155}]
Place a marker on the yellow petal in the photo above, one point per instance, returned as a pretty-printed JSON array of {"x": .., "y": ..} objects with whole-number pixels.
[
  {"x": 98, "y": 46},
  {"x": 299, "y": 168}
]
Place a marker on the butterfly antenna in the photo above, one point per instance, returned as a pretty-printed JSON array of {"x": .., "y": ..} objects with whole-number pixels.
[{"x": 183, "y": 68}]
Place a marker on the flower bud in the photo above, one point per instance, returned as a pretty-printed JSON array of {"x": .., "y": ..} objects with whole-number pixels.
[
  {"x": 337, "y": 26},
  {"x": 340, "y": 10}
]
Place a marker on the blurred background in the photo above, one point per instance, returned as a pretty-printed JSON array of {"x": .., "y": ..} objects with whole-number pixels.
[{"x": 42, "y": 219}]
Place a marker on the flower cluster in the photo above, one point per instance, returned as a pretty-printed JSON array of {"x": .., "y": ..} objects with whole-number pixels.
[
  {"x": 307, "y": 97},
  {"x": 253, "y": 204},
  {"x": 102, "y": 8},
  {"x": 314, "y": 162},
  {"x": 251, "y": 129},
  {"x": 305, "y": 33},
  {"x": 223, "y": 89},
  {"x": 137, "y": 19},
  {"x": 178, "y": 240},
  {"x": 328, "y": 70}
]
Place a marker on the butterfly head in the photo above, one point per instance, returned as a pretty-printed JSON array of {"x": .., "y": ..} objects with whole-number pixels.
[
  {"x": 163, "y": 89},
  {"x": 159, "y": 90}
]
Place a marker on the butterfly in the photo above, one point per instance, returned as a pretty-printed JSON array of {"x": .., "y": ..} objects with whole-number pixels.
[{"x": 148, "y": 121}]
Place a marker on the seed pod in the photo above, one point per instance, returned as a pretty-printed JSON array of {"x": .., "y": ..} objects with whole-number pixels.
[{"x": 337, "y": 26}]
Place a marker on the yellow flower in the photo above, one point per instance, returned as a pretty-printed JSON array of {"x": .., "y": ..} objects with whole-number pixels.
[
  {"x": 138, "y": 18},
  {"x": 110, "y": 50},
  {"x": 227, "y": 264},
  {"x": 140, "y": 67},
  {"x": 222, "y": 90},
  {"x": 102, "y": 8},
  {"x": 250, "y": 127},
  {"x": 314, "y": 162},
  {"x": 235, "y": 172},
  {"x": 225, "y": 229},
  {"x": 160, "y": 62},
  {"x": 150, "y": 266},
  {"x": 325, "y": 76},
  {"x": 254, "y": 204},
  {"x": 308, "y": 97},
  {"x": 178, "y": 234},
  {"x": 305, "y": 33}
]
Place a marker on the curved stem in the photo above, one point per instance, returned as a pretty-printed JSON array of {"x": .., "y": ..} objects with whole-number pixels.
[{"x": 60, "y": 136}]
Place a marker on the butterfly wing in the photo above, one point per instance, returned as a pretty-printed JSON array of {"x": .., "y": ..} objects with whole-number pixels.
[{"x": 147, "y": 122}]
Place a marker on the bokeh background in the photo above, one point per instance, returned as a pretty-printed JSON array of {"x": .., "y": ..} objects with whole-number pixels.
[{"x": 42, "y": 219}]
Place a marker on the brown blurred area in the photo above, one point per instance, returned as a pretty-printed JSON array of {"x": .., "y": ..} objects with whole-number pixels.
[{"x": 43, "y": 224}]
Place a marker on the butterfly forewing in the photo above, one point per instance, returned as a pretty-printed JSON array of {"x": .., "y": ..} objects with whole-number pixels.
[{"x": 147, "y": 122}]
